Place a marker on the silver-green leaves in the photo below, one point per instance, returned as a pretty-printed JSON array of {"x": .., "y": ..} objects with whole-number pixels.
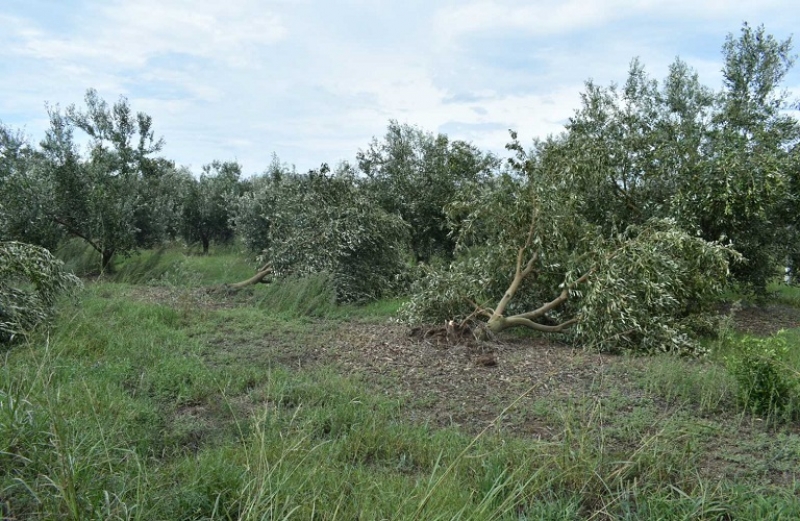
[{"x": 31, "y": 280}]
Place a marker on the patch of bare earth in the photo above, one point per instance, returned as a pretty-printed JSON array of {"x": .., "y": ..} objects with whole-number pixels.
[
  {"x": 447, "y": 377},
  {"x": 766, "y": 320},
  {"x": 204, "y": 298},
  {"x": 462, "y": 382}
]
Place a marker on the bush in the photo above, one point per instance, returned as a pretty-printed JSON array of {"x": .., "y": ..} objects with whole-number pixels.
[
  {"x": 767, "y": 386},
  {"x": 31, "y": 280}
]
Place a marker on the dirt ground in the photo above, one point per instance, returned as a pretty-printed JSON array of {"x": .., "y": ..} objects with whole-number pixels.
[
  {"x": 455, "y": 380},
  {"x": 767, "y": 319},
  {"x": 450, "y": 378}
]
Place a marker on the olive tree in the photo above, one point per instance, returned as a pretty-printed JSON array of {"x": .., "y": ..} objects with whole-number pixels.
[
  {"x": 718, "y": 163},
  {"x": 415, "y": 174},
  {"x": 324, "y": 222},
  {"x": 528, "y": 256},
  {"x": 206, "y": 215},
  {"x": 31, "y": 280},
  {"x": 161, "y": 190},
  {"x": 25, "y": 193},
  {"x": 251, "y": 211},
  {"x": 750, "y": 153},
  {"x": 99, "y": 198}
]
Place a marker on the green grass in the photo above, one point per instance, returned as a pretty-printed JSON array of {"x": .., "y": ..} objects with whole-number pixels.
[
  {"x": 785, "y": 294},
  {"x": 145, "y": 404}
]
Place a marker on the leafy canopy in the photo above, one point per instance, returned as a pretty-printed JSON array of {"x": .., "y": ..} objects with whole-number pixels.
[
  {"x": 721, "y": 164},
  {"x": 415, "y": 174},
  {"x": 206, "y": 215},
  {"x": 102, "y": 198},
  {"x": 527, "y": 238},
  {"x": 325, "y": 222}
]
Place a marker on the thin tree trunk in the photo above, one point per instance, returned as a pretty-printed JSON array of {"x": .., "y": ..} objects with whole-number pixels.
[
  {"x": 255, "y": 279},
  {"x": 105, "y": 259}
]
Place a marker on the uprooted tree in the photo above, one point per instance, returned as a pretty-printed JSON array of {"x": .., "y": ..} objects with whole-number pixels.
[
  {"x": 529, "y": 257},
  {"x": 323, "y": 222},
  {"x": 613, "y": 232}
]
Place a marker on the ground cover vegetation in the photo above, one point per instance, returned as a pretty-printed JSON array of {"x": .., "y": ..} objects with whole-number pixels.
[{"x": 443, "y": 334}]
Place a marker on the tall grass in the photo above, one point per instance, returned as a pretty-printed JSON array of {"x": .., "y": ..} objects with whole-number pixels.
[
  {"x": 143, "y": 409},
  {"x": 82, "y": 441}
]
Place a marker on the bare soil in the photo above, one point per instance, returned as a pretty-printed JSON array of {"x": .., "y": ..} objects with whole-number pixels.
[
  {"x": 462, "y": 382},
  {"x": 767, "y": 319}
]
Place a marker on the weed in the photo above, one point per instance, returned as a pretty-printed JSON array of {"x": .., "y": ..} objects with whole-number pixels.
[{"x": 766, "y": 385}]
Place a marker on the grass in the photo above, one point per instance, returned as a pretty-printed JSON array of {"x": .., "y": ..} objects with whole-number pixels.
[
  {"x": 785, "y": 294},
  {"x": 144, "y": 406}
]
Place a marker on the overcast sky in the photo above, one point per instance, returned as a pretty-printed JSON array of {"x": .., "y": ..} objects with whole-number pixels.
[{"x": 315, "y": 80}]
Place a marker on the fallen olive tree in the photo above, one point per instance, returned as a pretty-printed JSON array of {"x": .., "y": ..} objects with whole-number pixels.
[
  {"x": 324, "y": 222},
  {"x": 528, "y": 258}
]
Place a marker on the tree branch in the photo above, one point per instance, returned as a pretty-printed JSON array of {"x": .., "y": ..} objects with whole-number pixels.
[
  {"x": 74, "y": 231},
  {"x": 627, "y": 198},
  {"x": 530, "y": 324},
  {"x": 479, "y": 310},
  {"x": 255, "y": 279},
  {"x": 563, "y": 297},
  {"x": 512, "y": 289}
]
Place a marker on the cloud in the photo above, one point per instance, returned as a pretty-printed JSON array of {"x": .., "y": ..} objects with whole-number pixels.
[
  {"x": 557, "y": 17},
  {"x": 131, "y": 33},
  {"x": 539, "y": 18},
  {"x": 314, "y": 81}
]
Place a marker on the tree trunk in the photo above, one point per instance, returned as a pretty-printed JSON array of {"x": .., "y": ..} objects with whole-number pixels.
[
  {"x": 496, "y": 325},
  {"x": 204, "y": 240},
  {"x": 255, "y": 279},
  {"x": 105, "y": 259},
  {"x": 499, "y": 322}
]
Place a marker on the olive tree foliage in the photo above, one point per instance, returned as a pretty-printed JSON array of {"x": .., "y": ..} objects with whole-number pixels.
[
  {"x": 206, "y": 215},
  {"x": 636, "y": 146},
  {"x": 415, "y": 174},
  {"x": 31, "y": 280},
  {"x": 324, "y": 222},
  {"x": 25, "y": 193},
  {"x": 102, "y": 198},
  {"x": 251, "y": 212},
  {"x": 752, "y": 139},
  {"x": 529, "y": 255},
  {"x": 718, "y": 163},
  {"x": 162, "y": 188}
]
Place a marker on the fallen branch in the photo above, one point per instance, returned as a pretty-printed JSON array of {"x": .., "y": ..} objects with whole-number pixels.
[{"x": 255, "y": 279}]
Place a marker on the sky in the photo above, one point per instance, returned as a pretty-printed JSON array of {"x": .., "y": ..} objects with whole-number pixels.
[{"x": 314, "y": 81}]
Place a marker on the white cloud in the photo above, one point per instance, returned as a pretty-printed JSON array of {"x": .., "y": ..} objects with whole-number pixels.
[
  {"x": 314, "y": 80},
  {"x": 130, "y": 33},
  {"x": 538, "y": 17},
  {"x": 553, "y": 17}
]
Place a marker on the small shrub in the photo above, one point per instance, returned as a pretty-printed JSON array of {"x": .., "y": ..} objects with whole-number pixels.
[
  {"x": 766, "y": 383},
  {"x": 31, "y": 280}
]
